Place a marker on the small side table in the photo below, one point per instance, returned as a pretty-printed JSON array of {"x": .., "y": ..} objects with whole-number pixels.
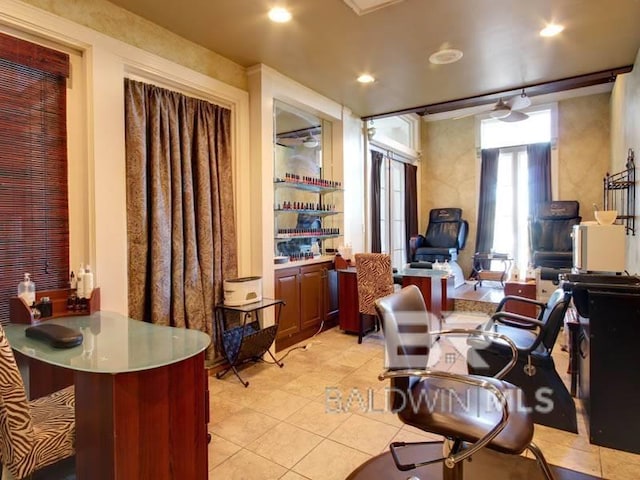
[
  {"x": 480, "y": 273},
  {"x": 248, "y": 341}
]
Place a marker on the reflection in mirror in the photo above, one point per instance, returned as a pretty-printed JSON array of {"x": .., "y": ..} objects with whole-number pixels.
[{"x": 299, "y": 144}]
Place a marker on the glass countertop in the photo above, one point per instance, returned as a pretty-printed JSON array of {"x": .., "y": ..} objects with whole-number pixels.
[
  {"x": 112, "y": 343},
  {"x": 407, "y": 272}
]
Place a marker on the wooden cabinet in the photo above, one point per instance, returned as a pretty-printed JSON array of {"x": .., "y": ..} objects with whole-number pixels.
[
  {"x": 521, "y": 289},
  {"x": 310, "y": 293}
]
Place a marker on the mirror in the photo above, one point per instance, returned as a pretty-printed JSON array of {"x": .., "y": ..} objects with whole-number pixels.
[{"x": 301, "y": 140}]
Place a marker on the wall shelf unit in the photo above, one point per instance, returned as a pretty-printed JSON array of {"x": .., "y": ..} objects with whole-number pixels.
[{"x": 619, "y": 194}]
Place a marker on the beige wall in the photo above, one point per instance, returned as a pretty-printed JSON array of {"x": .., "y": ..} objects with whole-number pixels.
[
  {"x": 107, "y": 18},
  {"x": 448, "y": 175},
  {"x": 450, "y": 169},
  {"x": 625, "y": 134},
  {"x": 583, "y": 150}
]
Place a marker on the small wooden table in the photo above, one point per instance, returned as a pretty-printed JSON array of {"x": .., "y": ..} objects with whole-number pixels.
[{"x": 434, "y": 285}]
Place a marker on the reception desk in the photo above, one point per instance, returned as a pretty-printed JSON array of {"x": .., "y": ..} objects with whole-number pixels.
[
  {"x": 141, "y": 405},
  {"x": 434, "y": 285}
]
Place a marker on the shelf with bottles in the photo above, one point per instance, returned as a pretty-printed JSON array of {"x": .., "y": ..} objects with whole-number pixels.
[
  {"x": 307, "y": 183},
  {"x": 286, "y": 234},
  {"x": 308, "y": 208},
  {"x": 63, "y": 303}
]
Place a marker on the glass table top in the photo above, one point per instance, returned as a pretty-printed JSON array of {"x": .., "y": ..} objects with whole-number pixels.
[
  {"x": 408, "y": 272},
  {"x": 112, "y": 343}
]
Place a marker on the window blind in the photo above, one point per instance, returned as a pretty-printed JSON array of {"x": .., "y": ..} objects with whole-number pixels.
[{"x": 34, "y": 220}]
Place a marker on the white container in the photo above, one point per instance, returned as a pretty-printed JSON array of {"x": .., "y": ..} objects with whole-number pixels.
[
  {"x": 88, "y": 282},
  {"x": 80, "y": 282},
  {"x": 27, "y": 290},
  {"x": 241, "y": 291},
  {"x": 599, "y": 248}
]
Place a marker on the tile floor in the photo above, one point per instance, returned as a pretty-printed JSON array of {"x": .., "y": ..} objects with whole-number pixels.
[{"x": 301, "y": 422}]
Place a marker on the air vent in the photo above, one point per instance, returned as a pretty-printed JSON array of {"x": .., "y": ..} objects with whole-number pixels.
[{"x": 362, "y": 7}]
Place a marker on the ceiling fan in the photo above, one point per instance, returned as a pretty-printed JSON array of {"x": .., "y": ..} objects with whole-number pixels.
[
  {"x": 307, "y": 141},
  {"x": 509, "y": 110}
]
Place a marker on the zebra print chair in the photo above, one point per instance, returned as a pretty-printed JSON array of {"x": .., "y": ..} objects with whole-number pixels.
[
  {"x": 33, "y": 434},
  {"x": 375, "y": 280}
]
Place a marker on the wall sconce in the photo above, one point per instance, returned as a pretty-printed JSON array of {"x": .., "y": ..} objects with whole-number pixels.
[{"x": 371, "y": 130}]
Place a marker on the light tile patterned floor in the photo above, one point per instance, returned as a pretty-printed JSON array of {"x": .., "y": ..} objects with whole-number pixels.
[{"x": 300, "y": 422}]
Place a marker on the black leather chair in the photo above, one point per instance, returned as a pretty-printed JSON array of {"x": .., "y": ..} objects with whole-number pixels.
[
  {"x": 550, "y": 234},
  {"x": 535, "y": 372},
  {"x": 491, "y": 419},
  {"x": 446, "y": 235}
]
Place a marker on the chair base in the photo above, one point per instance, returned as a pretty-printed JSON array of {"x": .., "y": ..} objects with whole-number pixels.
[{"x": 485, "y": 465}]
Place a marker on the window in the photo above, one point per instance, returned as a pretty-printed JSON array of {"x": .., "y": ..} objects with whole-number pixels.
[
  {"x": 511, "y": 234},
  {"x": 392, "y": 215},
  {"x": 34, "y": 225}
]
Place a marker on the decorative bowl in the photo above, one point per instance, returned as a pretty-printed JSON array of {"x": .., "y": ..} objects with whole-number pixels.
[{"x": 606, "y": 217}]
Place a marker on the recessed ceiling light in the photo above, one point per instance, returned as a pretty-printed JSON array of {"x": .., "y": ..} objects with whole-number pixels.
[
  {"x": 551, "y": 30},
  {"x": 448, "y": 55},
  {"x": 279, "y": 15},
  {"x": 366, "y": 78}
]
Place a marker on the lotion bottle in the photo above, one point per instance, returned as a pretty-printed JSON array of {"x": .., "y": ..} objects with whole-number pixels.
[{"x": 27, "y": 290}]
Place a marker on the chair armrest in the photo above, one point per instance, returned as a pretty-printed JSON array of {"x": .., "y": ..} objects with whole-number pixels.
[
  {"x": 479, "y": 333},
  {"x": 505, "y": 317},
  {"x": 415, "y": 242},
  {"x": 452, "y": 460},
  {"x": 515, "y": 298}
]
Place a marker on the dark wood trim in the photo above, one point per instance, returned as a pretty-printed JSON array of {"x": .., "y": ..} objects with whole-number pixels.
[
  {"x": 532, "y": 90},
  {"x": 147, "y": 424}
]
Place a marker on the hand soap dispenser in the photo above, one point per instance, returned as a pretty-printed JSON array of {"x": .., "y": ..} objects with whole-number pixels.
[{"x": 27, "y": 290}]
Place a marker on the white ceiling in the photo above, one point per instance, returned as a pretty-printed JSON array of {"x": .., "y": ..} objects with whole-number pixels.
[{"x": 327, "y": 45}]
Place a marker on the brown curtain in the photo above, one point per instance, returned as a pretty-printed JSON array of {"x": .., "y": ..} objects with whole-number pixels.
[
  {"x": 410, "y": 205},
  {"x": 376, "y": 167},
  {"x": 180, "y": 217},
  {"x": 539, "y": 166},
  {"x": 487, "y": 203}
]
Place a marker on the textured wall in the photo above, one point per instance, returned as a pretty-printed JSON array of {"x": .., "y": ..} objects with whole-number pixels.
[
  {"x": 450, "y": 173},
  {"x": 107, "y": 18},
  {"x": 583, "y": 150},
  {"x": 449, "y": 176},
  {"x": 625, "y": 134}
]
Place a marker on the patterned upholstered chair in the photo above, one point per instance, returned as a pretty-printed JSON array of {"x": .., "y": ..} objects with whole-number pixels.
[
  {"x": 33, "y": 434},
  {"x": 375, "y": 280}
]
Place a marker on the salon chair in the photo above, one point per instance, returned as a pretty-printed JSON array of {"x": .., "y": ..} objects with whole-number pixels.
[
  {"x": 535, "y": 372},
  {"x": 446, "y": 235},
  {"x": 489, "y": 421},
  {"x": 550, "y": 234},
  {"x": 33, "y": 434}
]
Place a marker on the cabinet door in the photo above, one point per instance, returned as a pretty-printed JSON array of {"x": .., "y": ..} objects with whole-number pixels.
[
  {"x": 287, "y": 288},
  {"x": 311, "y": 296},
  {"x": 521, "y": 289},
  {"x": 330, "y": 292}
]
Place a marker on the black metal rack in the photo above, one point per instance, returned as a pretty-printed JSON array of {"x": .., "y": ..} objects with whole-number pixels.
[
  {"x": 620, "y": 194},
  {"x": 245, "y": 339}
]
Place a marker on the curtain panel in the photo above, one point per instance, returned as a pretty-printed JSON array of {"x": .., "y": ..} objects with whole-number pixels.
[
  {"x": 376, "y": 168},
  {"x": 487, "y": 202},
  {"x": 180, "y": 213},
  {"x": 539, "y": 171},
  {"x": 410, "y": 205}
]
